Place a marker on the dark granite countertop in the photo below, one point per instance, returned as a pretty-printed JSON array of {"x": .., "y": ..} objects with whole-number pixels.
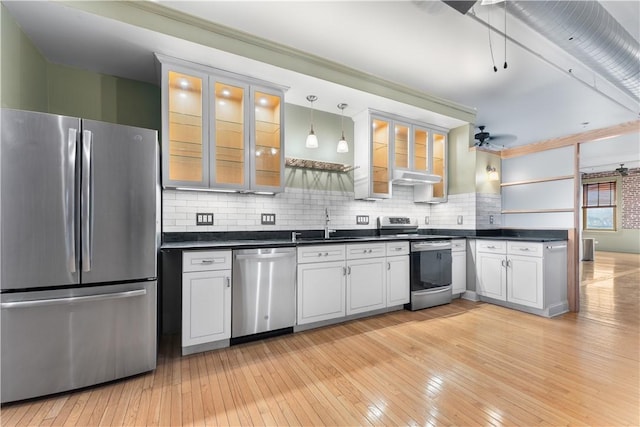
[{"x": 238, "y": 240}]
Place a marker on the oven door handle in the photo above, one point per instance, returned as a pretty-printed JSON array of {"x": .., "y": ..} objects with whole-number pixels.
[{"x": 434, "y": 291}]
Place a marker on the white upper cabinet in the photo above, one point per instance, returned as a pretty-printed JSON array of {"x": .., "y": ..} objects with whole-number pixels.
[
  {"x": 387, "y": 145},
  {"x": 372, "y": 141},
  {"x": 220, "y": 130}
]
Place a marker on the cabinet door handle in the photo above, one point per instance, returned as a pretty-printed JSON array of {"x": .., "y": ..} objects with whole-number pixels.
[
  {"x": 326, "y": 254},
  {"x": 344, "y": 271},
  {"x": 349, "y": 270},
  {"x": 503, "y": 264},
  {"x": 228, "y": 282},
  {"x": 491, "y": 247},
  {"x": 206, "y": 261},
  {"x": 388, "y": 266},
  {"x": 524, "y": 249},
  {"x": 319, "y": 253},
  {"x": 508, "y": 263}
]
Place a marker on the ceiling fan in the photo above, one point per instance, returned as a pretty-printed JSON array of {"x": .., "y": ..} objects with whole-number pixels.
[
  {"x": 483, "y": 138},
  {"x": 622, "y": 170}
]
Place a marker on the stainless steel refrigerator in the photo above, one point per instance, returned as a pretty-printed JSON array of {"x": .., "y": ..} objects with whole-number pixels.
[{"x": 80, "y": 230}]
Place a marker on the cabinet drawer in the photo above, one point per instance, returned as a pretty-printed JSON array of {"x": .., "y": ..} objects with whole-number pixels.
[
  {"x": 458, "y": 245},
  {"x": 397, "y": 248},
  {"x": 492, "y": 246},
  {"x": 206, "y": 260},
  {"x": 524, "y": 248},
  {"x": 321, "y": 253},
  {"x": 366, "y": 250}
]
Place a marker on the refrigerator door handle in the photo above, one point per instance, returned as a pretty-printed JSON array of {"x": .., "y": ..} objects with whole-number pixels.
[
  {"x": 86, "y": 213},
  {"x": 71, "y": 300},
  {"x": 69, "y": 204}
]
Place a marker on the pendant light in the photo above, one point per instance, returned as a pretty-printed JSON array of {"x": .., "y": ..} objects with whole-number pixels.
[
  {"x": 343, "y": 147},
  {"x": 312, "y": 139}
]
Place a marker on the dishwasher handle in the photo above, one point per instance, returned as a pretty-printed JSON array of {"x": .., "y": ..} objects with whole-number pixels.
[{"x": 261, "y": 257}]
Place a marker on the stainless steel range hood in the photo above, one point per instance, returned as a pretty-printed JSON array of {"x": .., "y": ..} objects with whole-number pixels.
[{"x": 402, "y": 177}]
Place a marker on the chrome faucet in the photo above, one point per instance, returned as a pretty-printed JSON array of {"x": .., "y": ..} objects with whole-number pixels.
[{"x": 327, "y": 220}]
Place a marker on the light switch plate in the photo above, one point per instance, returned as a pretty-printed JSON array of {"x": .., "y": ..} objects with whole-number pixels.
[
  {"x": 362, "y": 219},
  {"x": 426, "y": 220},
  {"x": 490, "y": 219},
  {"x": 268, "y": 219},
  {"x": 203, "y": 218},
  {"x": 459, "y": 219}
]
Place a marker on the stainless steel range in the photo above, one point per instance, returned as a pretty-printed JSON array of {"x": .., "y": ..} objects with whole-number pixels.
[
  {"x": 430, "y": 262},
  {"x": 430, "y": 265},
  {"x": 397, "y": 226}
]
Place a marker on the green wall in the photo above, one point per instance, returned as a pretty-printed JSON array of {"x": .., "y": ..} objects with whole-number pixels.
[
  {"x": 327, "y": 128},
  {"x": 462, "y": 161},
  {"x": 30, "y": 82},
  {"x": 23, "y": 69},
  {"x": 467, "y": 167},
  {"x": 82, "y": 93},
  {"x": 484, "y": 159}
]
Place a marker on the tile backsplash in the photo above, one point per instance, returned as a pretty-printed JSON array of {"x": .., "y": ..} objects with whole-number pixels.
[{"x": 303, "y": 209}]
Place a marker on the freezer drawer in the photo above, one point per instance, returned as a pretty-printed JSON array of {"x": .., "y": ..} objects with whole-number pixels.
[{"x": 54, "y": 341}]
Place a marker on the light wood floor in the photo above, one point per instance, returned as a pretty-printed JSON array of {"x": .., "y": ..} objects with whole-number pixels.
[{"x": 460, "y": 364}]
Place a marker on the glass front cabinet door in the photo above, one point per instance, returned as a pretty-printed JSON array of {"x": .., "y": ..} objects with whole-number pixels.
[
  {"x": 267, "y": 150},
  {"x": 220, "y": 131},
  {"x": 185, "y": 128},
  {"x": 373, "y": 141},
  {"x": 229, "y": 154},
  {"x": 439, "y": 149}
]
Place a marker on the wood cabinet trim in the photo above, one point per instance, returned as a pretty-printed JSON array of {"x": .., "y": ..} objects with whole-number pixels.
[{"x": 537, "y": 180}]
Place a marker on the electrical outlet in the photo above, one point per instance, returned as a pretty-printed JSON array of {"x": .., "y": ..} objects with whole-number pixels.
[
  {"x": 362, "y": 219},
  {"x": 490, "y": 219},
  {"x": 459, "y": 219},
  {"x": 268, "y": 219},
  {"x": 426, "y": 220},
  {"x": 204, "y": 218}
]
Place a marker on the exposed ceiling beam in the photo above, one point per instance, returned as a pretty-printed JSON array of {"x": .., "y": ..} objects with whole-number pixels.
[{"x": 588, "y": 136}]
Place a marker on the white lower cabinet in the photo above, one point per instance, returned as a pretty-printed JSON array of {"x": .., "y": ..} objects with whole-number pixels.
[
  {"x": 398, "y": 279},
  {"x": 321, "y": 284},
  {"x": 492, "y": 275},
  {"x": 458, "y": 266},
  {"x": 340, "y": 280},
  {"x": 321, "y": 291},
  {"x": 526, "y": 274},
  {"x": 206, "y": 297},
  {"x": 366, "y": 285}
]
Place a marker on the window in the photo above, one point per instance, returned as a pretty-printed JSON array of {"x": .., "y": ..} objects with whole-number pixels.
[{"x": 599, "y": 206}]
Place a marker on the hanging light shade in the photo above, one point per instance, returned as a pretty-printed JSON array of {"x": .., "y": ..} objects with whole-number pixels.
[
  {"x": 312, "y": 139},
  {"x": 343, "y": 147}
]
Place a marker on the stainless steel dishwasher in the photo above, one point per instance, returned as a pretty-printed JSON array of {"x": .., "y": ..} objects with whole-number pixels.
[{"x": 264, "y": 283}]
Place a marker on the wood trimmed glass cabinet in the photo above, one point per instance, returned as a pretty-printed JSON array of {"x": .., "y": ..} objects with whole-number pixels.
[
  {"x": 220, "y": 130},
  {"x": 384, "y": 143}
]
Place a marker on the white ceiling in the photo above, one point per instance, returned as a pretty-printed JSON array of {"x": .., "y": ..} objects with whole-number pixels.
[{"x": 423, "y": 45}]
